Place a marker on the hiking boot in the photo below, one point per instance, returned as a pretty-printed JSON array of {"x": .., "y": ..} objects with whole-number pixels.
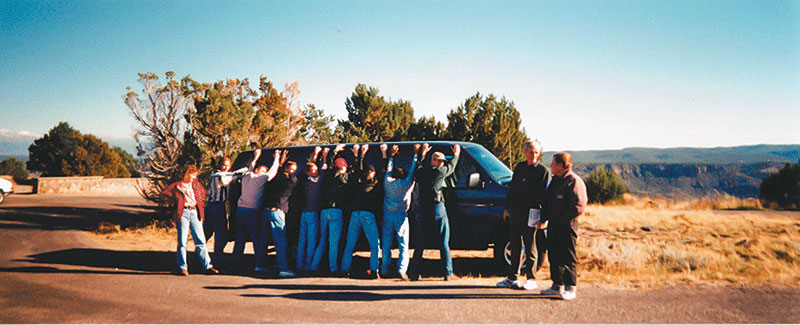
[
  {"x": 554, "y": 290},
  {"x": 212, "y": 271},
  {"x": 530, "y": 285},
  {"x": 451, "y": 277},
  {"x": 569, "y": 293}
]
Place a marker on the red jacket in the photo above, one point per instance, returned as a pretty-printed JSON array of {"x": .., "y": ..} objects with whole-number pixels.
[{"x": 172, "y": 192}]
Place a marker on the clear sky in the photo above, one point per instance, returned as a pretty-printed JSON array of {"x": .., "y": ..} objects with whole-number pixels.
[{"x": 583, "y": 74}]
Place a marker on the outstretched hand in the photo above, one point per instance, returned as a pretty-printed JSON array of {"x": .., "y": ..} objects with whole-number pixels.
[
  {"x": 416, "y": 148},
  {"x": 395, "y": 149},
  {"x": 456, "y": 150},
  {"x": 364, "y": 148}
]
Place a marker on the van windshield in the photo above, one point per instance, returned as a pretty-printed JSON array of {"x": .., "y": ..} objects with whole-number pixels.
[{"x": 496, "y": 169}]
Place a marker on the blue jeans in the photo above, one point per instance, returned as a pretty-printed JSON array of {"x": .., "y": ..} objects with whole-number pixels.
[
  {"x": 215, "y": 214},
  {"x": 307, "y": 240},
  {"x": 275, "y": 224},
  {"x": 190, "y": 221},
  {"x": 361, "y": 219},
  {"x": 248, "y": 224},
  {"x": 435, "y": 219},
  {"x": 395, "y": 224},
  {"x": 330, "y": 232}
]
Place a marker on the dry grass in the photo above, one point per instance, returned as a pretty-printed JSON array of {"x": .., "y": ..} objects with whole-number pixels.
[{"x": 645, "y": 246}]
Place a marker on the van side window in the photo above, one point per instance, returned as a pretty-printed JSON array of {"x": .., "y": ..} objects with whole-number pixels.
[{"x": 464, "y": 168}]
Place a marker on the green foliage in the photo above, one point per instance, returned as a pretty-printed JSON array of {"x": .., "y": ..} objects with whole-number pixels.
[
  {"x": 426, "y": 129},
  {"x": 782, "y": 189},
  {"x": 493, "y": 123},
  {"x": 229, "y": 116},
  {"x": 371, "y": 118},
  {"x": 66, "y": 152},
  {"x": 316, "y": 128},
  {"x": 14, "y": 167},
  {"x": 128, "y": 161},
  {"x": 49, "y": 153},
  {"x": 604, "y": 185}
]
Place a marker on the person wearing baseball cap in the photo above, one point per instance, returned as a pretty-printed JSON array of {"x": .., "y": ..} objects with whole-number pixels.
[{"x": 431, "y": 179}]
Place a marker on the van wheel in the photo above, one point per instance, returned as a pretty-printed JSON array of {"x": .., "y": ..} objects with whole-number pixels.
[{"x": 502, "y": 253}]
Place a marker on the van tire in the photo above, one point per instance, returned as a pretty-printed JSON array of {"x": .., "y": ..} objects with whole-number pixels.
[{"x": 502, "y": 254}]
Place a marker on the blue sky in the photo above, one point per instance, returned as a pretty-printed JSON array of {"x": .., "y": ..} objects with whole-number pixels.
[{"x": 583, "y": 74}]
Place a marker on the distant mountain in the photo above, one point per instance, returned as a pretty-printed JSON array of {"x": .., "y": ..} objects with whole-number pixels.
[
  {"x": 689, "y": 180},
  {"x": 689, "y": 172},
  {"x": 720, "y": 155}
]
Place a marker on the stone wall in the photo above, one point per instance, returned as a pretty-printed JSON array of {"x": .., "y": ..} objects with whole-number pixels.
[{"x": 90, "y": 185}]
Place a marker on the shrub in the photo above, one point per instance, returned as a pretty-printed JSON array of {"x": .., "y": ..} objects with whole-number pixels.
[
  {"x": 14, "y": 167},
  {"x": 604, "y": 185},
  {"x": 782, "y": 189}
]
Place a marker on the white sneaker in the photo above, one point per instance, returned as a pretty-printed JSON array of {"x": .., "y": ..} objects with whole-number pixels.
[
  {"x": 569, "y": 293},
  {"x": 286, "y": 274},
  {"x": 553, "y": 291},
  {"x": 508, "y": 283},
  {"x": 530, "y": 285}
]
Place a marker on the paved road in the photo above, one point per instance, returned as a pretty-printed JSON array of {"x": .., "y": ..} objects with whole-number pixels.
[{"x": 51, "y": 273}]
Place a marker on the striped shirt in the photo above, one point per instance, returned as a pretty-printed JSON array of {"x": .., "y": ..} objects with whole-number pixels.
[{"x": 218, "y": 189}]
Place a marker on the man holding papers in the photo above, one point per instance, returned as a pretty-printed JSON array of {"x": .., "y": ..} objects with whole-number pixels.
[{"x": 524, "y": 204}]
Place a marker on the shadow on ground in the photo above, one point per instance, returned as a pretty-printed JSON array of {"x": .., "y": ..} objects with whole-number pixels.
[{"x": 65, "y": 218}]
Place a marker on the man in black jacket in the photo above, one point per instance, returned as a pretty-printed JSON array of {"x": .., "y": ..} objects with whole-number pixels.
[
  {"x": 524, "y": 203},
  {"x": 433, "y": 213},
  {"x": 276, "y": 206}
]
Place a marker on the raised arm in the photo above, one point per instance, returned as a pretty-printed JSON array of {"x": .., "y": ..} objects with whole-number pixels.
[
  {"x": 450, "y": 166},
  {"x": 252, "y": 165},
  {"x": 413, "y": 162},
  {"x": 276, "y": 162}
]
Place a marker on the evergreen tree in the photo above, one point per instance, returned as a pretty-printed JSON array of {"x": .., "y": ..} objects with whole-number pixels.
[
  {"x": 604, "y": 185},
  {"x": 15, "y": 168},
  {"x": 371, "y": 118},
  {"x": 782, "y": 189},
  {"x": 491, "y": 122}
]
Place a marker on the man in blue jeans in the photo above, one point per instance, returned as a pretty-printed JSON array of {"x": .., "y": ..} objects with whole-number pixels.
[
  {"x": 310, "y": 188},
  {"x": 432, "y": 208},
  {"x": 249, "y": 205},
  {"x": 334, "y": 202},
  {"x": 276, "y": 205},
  {"x": 397, "y": 185},
  {"x": 367, "y": 198},
  {"x": 216, "y": 221}
]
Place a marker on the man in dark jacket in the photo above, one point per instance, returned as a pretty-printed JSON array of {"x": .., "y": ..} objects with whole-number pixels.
[
  {"x": 309, "y": 192},
  {"x": 433, "y": 213},
  {"x": 566, "y": 200},
  {"x": 276, "y": 206},
  {"x": 367, "y": 200},
  {"x": 524, "y": 202},
  {"x": 333, "y": 204}
]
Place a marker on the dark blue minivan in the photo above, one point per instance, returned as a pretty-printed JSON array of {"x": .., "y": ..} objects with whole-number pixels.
[{"x": 475, "y": 195}]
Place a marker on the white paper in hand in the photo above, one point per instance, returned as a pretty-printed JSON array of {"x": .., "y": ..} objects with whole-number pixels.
[{"x": 534, "y": 215}]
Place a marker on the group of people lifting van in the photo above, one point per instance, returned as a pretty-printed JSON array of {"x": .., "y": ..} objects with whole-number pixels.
[{"x": 333, "y": 193}]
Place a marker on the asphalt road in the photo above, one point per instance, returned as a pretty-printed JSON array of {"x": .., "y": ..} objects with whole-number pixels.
[{"x": 51, "y": 273}]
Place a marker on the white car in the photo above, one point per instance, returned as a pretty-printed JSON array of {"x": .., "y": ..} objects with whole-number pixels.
[{"x": 5, "y": 188}]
